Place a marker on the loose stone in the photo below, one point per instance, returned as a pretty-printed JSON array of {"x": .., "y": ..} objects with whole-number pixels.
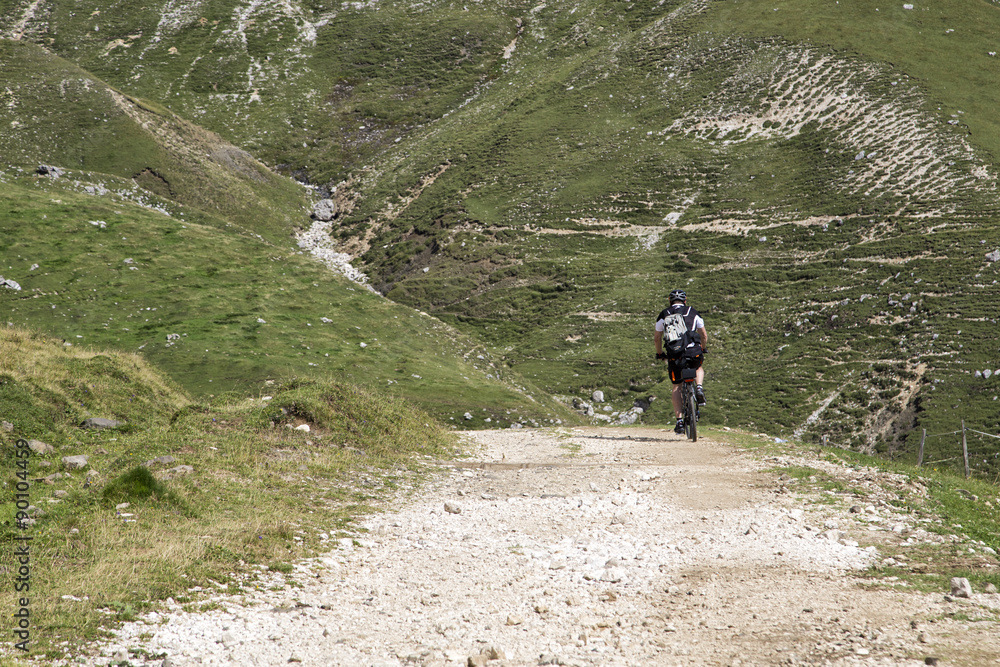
[{"x": 960, "y": 587}]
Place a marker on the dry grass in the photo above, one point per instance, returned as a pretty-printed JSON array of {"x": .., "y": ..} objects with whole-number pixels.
[{"x": 257, "y": 491}]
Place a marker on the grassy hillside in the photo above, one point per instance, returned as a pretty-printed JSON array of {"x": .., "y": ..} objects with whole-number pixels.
[
  {"x": 220, "y": 311},
  {"x": 821, "y": 178},
  {"x": 945, "y": 46},
  {"x": 61, "y": 115},
  {"x": 127, "y": 530},
  {"x": 159, "y": 233},
  {"x": 47, "y": 390}
]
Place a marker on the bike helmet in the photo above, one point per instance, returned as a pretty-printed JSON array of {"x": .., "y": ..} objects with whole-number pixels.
[{"x": 678, "y": 295}]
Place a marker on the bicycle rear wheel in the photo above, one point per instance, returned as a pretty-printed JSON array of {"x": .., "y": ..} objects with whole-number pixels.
[{"x": 691, "y": 414}]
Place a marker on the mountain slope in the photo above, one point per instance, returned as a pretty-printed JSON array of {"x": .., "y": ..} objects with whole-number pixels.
[
  {"x": 63, "y": 116},
  {"x": 150, "y": 232},
  {"x": 829, "y": 219},
  {"x": 820, "y": 178},
  {"x": 216, "y": 490},
  {"x": 221, "y": 311}
]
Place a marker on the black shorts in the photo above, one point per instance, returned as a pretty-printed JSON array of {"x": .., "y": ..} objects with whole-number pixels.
[{"x": 692, "y": 358}]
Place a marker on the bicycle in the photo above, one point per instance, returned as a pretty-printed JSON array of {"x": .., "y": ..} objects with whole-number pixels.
[{"x": 689, "y": 403}]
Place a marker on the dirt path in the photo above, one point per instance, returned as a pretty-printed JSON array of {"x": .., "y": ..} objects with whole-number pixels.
[{"x": 594, "y": 547}]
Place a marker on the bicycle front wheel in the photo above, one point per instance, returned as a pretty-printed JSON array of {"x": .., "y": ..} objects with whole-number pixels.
[{"x": 691, "y": 419}]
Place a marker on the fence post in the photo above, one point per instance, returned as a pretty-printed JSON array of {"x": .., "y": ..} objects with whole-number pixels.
[
  {"x": 965, "y": 451},
  {"x": 825, "y": 436},
  {"x": 920, "y": 457}
]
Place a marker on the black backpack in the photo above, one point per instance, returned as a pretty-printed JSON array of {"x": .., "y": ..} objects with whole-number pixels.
[{"x": 676, "y": 335}]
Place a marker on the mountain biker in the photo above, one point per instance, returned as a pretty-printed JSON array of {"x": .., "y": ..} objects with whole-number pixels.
[{"x": 692, "y": 356}]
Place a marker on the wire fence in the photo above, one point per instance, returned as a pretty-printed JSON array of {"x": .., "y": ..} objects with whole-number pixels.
[
  {"x": 980, "y": 457},
  {"x": 979, "y": 454}
]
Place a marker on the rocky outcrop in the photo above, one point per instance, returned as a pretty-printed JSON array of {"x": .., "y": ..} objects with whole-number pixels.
[
  {"x": 48, "y": 170},
  {"x": 75, "y": 462},
  {"x": 41, "y": 448},
  {"x": 325, "y": 210}
]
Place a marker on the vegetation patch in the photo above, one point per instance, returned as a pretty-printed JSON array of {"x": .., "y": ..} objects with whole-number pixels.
[
  {"x": 942, "y": 525},
  {"x": 136, "y": 486},
  {"x": 199, "y": 495}
]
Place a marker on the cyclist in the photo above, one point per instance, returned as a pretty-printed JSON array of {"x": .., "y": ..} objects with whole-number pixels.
[{"x": 692, "y": 356}]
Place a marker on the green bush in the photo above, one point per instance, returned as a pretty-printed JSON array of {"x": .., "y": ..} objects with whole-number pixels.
[{"x": 138, "y": 485}]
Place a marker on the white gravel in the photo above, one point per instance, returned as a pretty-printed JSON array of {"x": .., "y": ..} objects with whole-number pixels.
[{"x": 560, "y": 547}]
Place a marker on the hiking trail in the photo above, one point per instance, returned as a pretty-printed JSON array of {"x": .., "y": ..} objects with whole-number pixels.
[{"x": 597, "y": 546}]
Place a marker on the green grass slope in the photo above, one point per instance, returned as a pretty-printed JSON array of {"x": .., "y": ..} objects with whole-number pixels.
[
  {"x": 220, "y": 311},
  {"x": 164, "y": 228},
  {"x": 314, "y": 88},
  {"x": 48, "y": 390},
  {"x": 948, "y": 47},
  {"x": 61, "y": 115}
]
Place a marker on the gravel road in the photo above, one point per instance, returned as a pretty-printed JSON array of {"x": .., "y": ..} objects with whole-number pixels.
[{"x": 603, "y": 546}]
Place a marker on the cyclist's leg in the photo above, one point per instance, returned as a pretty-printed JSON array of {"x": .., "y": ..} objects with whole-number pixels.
[
  {"x": 675, "y": 378},
  {"x": 699, "y": 391},
  {"x": 678, "y": 399}
]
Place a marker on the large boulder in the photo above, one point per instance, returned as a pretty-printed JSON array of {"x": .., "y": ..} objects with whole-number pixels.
[
  {"x": 325, "y": 210},
  {"x": 630, "y": 417},
  {"x": 960, "y": 587},
  {"x": 49, "y": 170}
]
